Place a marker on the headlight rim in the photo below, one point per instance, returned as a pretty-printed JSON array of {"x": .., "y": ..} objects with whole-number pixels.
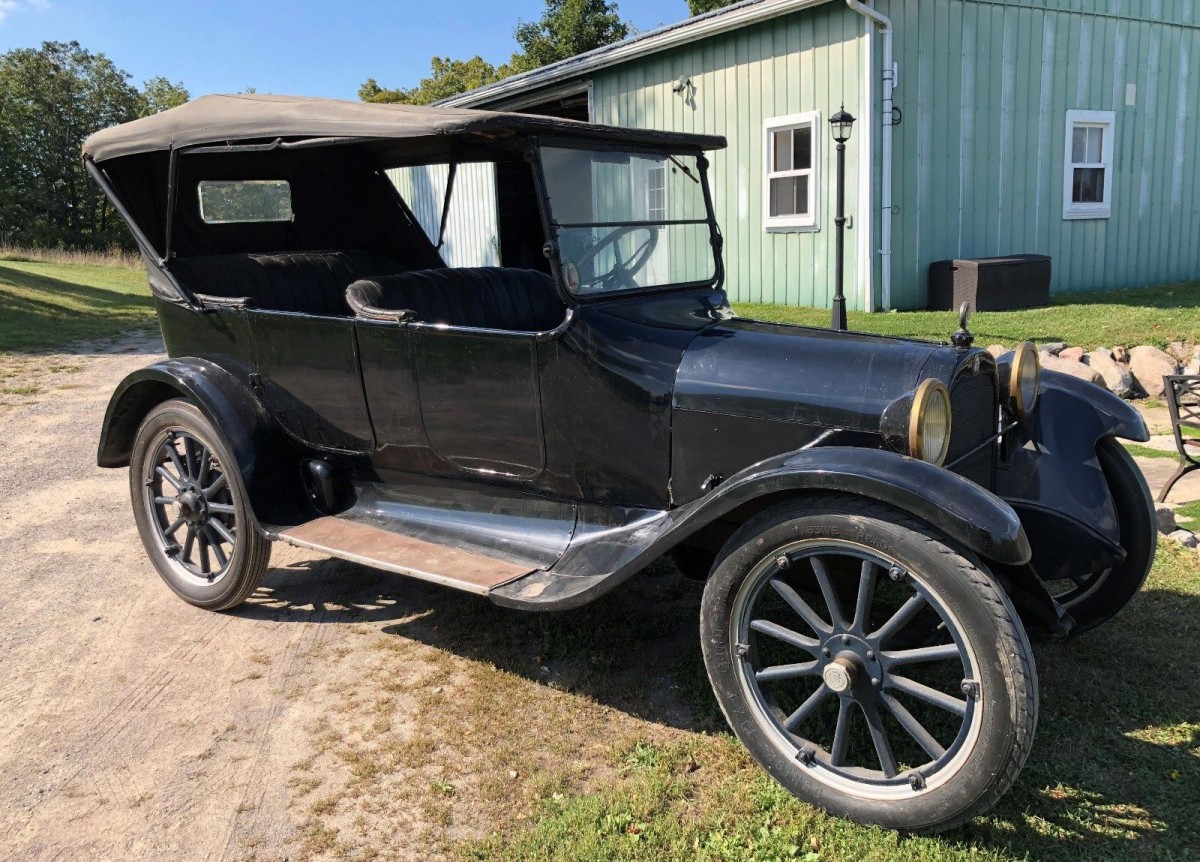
[
  {"x": 1024, "y": 354},
  {"x": 916, "y": 424}
]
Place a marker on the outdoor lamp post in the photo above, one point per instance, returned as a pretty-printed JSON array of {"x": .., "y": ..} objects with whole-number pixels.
[{"x": 842, "y": 123}]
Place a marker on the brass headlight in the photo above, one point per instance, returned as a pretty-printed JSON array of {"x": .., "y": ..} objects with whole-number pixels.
[
  {"x": 1024, "y": 379},
  {"x": 929, "y": 422}
]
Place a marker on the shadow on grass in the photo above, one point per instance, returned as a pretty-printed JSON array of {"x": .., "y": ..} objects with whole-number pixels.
[
  {"x": 1114, "y": 772},
  {"x": 44, "y": 311}
]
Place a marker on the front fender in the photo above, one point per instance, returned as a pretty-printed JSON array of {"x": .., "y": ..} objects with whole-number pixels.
[
  {"x": 964, "y": 511},
  {"x": 1111, "y": 416},
  {"x": 266, "y": 460}
]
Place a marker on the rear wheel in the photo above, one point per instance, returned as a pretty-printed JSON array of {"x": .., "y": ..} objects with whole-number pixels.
[
  {"x": 1095, "y": 597},
  {"x": 190, "y": 506},
  {"x": 867, "y": 666}
]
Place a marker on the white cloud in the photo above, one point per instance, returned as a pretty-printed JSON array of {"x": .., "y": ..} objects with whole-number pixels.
[{"x": 8, "y": 7}]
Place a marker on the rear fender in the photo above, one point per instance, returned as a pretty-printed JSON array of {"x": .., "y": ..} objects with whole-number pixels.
[{"x": 267, "y": 460}]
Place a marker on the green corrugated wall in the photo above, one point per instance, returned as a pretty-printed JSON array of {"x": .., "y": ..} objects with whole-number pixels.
[
  {"x": 801, "y": 62},
  {"x": 985, "y": 86}
]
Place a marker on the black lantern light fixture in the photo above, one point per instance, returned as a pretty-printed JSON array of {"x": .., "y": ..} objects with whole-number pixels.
[{"x": 842, "y": 123}]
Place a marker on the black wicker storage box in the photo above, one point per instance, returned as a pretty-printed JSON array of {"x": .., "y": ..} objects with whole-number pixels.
[{"x": 991, "y": 283}]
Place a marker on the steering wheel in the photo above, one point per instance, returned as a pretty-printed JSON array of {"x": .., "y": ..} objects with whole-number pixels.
[{"x": 620, "y": 277}]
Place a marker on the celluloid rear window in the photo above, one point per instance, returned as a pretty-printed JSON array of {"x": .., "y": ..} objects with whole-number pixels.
[{"x": 231, "y": 201}]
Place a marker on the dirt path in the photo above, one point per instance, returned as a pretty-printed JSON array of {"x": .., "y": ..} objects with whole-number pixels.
[{"x": 340, "y": 712}]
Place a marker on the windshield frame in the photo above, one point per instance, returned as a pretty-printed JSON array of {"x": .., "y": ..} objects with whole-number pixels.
[{"x": 553, "y": 227}]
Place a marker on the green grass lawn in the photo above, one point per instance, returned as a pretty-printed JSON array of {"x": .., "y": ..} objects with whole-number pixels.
[
  {"x": 50, "y": 305},
  {"x": 1149, "y": 315}
]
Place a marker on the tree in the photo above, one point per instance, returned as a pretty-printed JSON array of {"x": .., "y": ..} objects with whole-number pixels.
[
  {"x": 448, "y": 77},
  {"x": 699, "y": 7},
  {"x": 51, "y": 98},
  {"x": 566, "y": 28},
  {"x": 159, "y": 94}
]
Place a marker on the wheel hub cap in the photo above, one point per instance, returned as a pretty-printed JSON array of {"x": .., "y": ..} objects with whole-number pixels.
[
  {"x": 194, "y": 507},
  {"x": 840, "y": 674}
]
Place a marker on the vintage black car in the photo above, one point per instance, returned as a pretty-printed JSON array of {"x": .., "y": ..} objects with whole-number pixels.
[{"x": 879, "y": 521}]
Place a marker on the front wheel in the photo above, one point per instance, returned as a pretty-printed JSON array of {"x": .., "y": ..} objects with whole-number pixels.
[
  {"x": 191, "y": 510},
  {"x": 868, "y": 666}
]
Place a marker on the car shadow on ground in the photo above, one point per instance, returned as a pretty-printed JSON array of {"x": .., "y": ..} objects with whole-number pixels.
[{"x": 1115, "y": 765}]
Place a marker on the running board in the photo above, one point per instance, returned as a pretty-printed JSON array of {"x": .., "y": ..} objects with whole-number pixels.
[{"x": 403, "y": 555}]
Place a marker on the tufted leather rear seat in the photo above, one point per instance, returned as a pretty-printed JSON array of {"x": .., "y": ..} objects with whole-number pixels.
[
  {"x": 488, "y": 297},
  {"x": 311, "y": 282}
]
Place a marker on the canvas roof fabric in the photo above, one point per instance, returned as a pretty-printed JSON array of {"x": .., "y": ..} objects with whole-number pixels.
[{"x": 246, "y": 117}]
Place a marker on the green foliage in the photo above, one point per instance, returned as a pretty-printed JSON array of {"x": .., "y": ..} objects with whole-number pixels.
[
  {"x": 566, "y": 28},
  {"x": 159, "y": 94},
  {"x": 699, "y": 7},
  {"x": 51, "y": 98}
]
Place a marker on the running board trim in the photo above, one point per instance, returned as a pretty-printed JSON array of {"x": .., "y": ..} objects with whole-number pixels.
[{"x": 402, "y": 555}]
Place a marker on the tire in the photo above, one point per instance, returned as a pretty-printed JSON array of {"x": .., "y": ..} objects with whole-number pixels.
[
  {"x": 196, "y": 494},
  {"x": 839, "y": 549},
  {"x": 1098, "y": 596}
]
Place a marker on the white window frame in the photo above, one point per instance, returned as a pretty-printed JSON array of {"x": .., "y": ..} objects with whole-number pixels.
[
  {"x": 1106, "y": 120},
  {"x": 795, "y": 223}
]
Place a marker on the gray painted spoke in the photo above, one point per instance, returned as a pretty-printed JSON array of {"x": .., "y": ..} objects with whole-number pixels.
[
  {"x": 913, "y": 727},
  {"x": 221, "y": 508},
  {"x": 187, "y": 544},
  {"x": 189, "y": 455},
  {"x": 216, "y": 486},
  {"x": 807, "y": 708},
  {"x": 929, "y": 653},
  {"x": 788, "y": 636},
  {"x": 171, "y": 480},
  {"x": 216, "y": 549},
  {"x": 883, "y": 748},
  {"x": 930, "y": 695},
  {"x": 202, "y": 541},
  {"x": 165, "y": 501},
  {"x": 175, "y": 525},
  {"x": 829, "y": 593},
  {"x": 205, "y": 463},
  {"x": 786, "y": 671},
  {"x": 222, "y": 531},
  {"x": 866, "y": 592},
  {"x": 174, "y": 456},
  {"x": 899, "y": 620},
  {"x": 841, "y": 734},
  {"x": 801, "y": 607}
]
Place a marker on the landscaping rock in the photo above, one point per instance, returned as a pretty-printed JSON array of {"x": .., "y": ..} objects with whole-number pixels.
[
  {"x": 1193, "y": 366},
  {"x": 1183, "y": 537},
  {"x": 1116, "y": 376},
  {"x": 1179, "y": 352},
  {"x": 1053, "y": 347},
  {"x": 1149, "y": 365},
  {"x": 1120, "y": 354},
  {"x": 1165, "y": 517},
  {"x": 1075, "y": 353},
  {"x": 997, "y": 350},
  {"x": 1075, "y": 369}
]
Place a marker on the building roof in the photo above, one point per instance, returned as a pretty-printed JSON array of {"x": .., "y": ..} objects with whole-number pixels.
[
  {"x": 700, "y": 27},
  {"x": 253, "y": 117}
]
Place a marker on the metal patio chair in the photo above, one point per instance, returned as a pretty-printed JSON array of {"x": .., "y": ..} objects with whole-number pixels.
[{"x": 1183, "y": 400}]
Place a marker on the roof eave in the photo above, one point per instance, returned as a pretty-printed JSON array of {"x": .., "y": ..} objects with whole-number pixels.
[{"x": 701, "y": 27}]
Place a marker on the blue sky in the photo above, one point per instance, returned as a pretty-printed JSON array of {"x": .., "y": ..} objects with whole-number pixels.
[{"x": 304, "y": 47}]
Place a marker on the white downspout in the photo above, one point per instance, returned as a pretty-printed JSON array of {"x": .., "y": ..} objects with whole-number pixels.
[{"x": 884, "y": 23}]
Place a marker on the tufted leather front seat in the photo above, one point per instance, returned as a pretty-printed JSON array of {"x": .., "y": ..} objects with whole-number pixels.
[
  {"x": 488, "y": 297},
  {"x": 311, "y": 282}
]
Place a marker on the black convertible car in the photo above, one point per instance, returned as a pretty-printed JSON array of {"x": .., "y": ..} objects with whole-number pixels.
[{"x": 878, "y": 521}]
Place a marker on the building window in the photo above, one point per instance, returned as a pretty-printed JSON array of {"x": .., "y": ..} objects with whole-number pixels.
[
  {"x": 656, "y": 193},
  {"x": 1087, "y": 186},
  {"x": 792, "y": 173}
]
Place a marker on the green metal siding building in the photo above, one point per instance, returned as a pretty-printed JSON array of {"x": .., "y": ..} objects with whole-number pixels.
[{"x": 1069, "y": 128}]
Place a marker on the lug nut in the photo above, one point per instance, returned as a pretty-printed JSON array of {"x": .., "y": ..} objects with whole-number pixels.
[
  {"x": 825, "y": 652},
  {"x": 870, "y": 655},
  {"x": 846, "y": 640},
  {"x": 896, "y": 573},
  {"x": 782, "y": 562},
  {"x": 876, "y": 682}
]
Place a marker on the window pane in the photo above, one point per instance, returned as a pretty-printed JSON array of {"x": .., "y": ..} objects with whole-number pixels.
[
  {"x": 1095, "y": 146},
  {"x": 226, "y": 201},
  {"x": 1079, "y": 144},
  {"x": 1088, "y": 186},
  {"x": 802, "y": 160},
  {"x": 789, "y": 196},
  {"x": 782, "y": 143}
]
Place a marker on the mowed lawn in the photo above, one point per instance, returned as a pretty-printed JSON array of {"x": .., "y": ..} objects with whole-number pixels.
[
  {"x": 1149, "y": 315},
  {"x": 50, "y": 305}
]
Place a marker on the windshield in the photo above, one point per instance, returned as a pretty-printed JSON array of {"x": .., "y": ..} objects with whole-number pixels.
[{"x": 628, "y": 221}]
